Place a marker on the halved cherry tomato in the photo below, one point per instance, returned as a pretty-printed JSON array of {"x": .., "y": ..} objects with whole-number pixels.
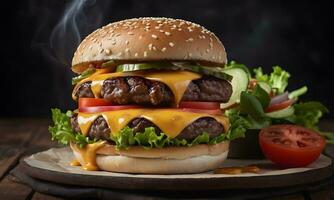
[
  {"x": 291, "y": 145},
  {"x": 89, "y": 102},
  {"x": 199, "y": 105},
  {"x": 279, "y": 106},
  {"x": 210, "y": 112},
  {"x": 95, "y": 109}
]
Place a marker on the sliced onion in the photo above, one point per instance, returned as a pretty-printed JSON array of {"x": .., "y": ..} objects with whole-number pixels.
[{"x": 279, "y": 98}]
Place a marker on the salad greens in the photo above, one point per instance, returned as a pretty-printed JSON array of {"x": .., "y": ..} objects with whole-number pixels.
[
  {"x": 254, "y": 102},
  {"x": 278, "y": 79},
  {"x": 62, "y": 131}
]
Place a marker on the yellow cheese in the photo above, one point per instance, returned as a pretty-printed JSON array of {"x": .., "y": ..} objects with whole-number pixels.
[
  {"x": 170, "y": 121},
  {"x": 177, "y": 81},
  {"x": 88, "y": 155}
]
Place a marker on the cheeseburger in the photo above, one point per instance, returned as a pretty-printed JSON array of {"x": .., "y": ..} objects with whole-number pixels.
[{"x": 149, "y": 92}]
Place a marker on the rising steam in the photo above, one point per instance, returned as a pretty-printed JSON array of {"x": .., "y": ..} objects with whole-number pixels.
[{"x": 68, "y": 33}]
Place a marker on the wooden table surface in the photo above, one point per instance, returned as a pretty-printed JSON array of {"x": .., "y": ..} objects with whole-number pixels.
[{"x": 22, "y": 137}]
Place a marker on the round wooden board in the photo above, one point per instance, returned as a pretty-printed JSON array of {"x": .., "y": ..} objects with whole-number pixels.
[{"x": 52, "y": 165}]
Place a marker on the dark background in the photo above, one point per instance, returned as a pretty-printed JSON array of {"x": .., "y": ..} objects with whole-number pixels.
[{"x": 37, "y": 43}]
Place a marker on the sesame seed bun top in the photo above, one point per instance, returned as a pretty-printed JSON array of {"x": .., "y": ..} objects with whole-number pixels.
[{"x": 149, "y": 39}]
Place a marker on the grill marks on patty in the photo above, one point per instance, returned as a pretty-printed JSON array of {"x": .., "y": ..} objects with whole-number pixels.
[
  {"x": 100, "y": 129},
  {"x": 138, "y": 90}
]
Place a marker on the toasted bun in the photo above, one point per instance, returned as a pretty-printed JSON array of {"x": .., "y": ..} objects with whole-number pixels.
[
  {"x": 149, "y": 39},
  {"x": 169, "y": 160}
]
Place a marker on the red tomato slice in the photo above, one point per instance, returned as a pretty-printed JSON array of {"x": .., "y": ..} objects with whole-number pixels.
[
  {"x": 199, "y": 105},
  {"x": 95, "y": 109},
  {"x": 89, "y": 102},
  {"x": 279, "y": 106},
  {"x": 291, "y": 145},
  {"x": 210, "y": 112}
]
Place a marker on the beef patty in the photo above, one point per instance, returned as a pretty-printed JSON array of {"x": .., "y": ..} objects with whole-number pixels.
[
  {"x": 100, "y": 129},
  {"x": 138, "y": 90}
]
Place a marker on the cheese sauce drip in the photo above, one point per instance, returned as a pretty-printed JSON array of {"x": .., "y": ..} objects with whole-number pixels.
[
  {"x": 170, "y": 121},
  {"x": 177, "y": 81},
  {"x": 87, "y": 155}
]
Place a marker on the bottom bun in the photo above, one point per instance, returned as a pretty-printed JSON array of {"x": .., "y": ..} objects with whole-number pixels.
[
  {"x": 164, "y": 165},
  {"x": 160, "y": 166}
]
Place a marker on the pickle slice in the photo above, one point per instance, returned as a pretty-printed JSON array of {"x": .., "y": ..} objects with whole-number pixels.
[{"x": 210, "y": 71}]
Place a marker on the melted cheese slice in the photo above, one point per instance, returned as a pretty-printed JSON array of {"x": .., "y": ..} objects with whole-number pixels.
[
  {"x": 177, "y": 81},
  {"x": 170, "y": 121}
]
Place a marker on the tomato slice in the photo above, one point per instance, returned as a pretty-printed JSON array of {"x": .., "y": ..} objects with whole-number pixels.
[
  {"x": 291, "y": 145},
  {"x": 210, "y": 112},
  {"x": 279, "y": 106},
  {"x": 200, "y": 105},
  {"x": 89, "y": 102},
  {"x": 95, "y": 109}
]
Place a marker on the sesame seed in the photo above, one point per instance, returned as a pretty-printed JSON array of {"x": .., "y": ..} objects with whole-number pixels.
[
  {"x": 154, "y": 48},
  {"x": 120, "y": 53},
  {"x": 163, "y": 49},
  {"x": 136, "y": 54},
  {"x": 171, "y": 44},
  {"x": 127, "y": 50},
  {"x": 140, "y": 37},
  {"x": 108, "y": 51},
  {"x": 130, "y": 33},
  {"x": 213, "y": 57},
  {"x": 161, "y": 31},
  {"x": 167, "y": 33},
  {"x": 180, "y": 29},
  {"x": 150, "y": 46},
  {"x": 113, "y": 42},
  {"x": 127, "y": 42},
  {"x": 211, "y": 45},
  {"x": 117, "y": 34},
  {"x": 207, "y": 50},
  {"x": 145, "y": 53},
  {"x": 154, "y": 36},
  {"x": 101, "y": 51},
  {"x": 189, "y": 40},
  {"x": 190, "y": 54}
]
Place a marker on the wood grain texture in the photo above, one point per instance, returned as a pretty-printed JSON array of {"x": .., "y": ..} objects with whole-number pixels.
[
  {"x": 11, "y": 190},
  {"x": 40, "y": 196}
]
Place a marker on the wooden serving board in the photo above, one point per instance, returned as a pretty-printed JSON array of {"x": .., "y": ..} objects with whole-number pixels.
[{"x": 53, "y": 166}]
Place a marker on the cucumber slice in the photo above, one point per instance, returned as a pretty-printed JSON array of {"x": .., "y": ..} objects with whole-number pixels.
[
  {"x": 239, "y": 83},
  {"x": 265, "y": 86},
  {"x": 286, "y": 112}
]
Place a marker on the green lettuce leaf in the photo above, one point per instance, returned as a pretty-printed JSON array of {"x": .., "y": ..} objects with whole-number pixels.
[
  {"x": 150, "y": 139},
  {"x": 308, "y": 114},
  {"x": 278, "y": 79},
  {"x": 62, "y": 130},
  {"x": 238, "y": 124}
]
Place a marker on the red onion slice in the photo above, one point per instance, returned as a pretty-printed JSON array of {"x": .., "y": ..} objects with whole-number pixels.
[{"x": 279, "y": 98}]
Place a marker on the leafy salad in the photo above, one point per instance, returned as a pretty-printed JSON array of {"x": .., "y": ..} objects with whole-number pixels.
[{"x": 266, "y": 102}]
